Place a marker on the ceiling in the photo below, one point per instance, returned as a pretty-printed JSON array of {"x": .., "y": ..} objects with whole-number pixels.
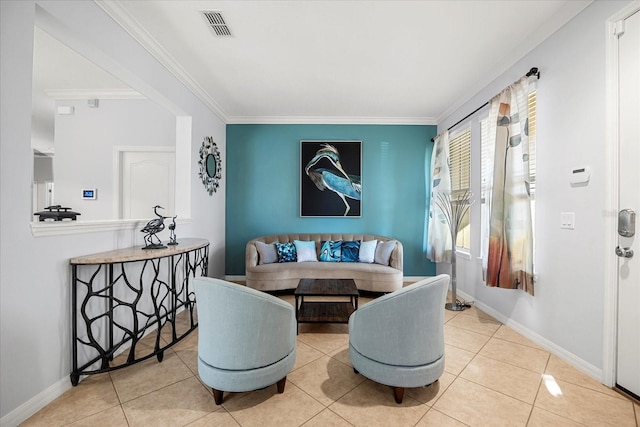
[{"x": 340, "y": 61}]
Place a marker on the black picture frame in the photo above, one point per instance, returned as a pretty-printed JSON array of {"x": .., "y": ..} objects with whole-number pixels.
[{"x": 325, "y": 190}]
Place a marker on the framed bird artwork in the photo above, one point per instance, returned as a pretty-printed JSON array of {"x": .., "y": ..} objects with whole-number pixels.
[{"x": 330, "y": 178}]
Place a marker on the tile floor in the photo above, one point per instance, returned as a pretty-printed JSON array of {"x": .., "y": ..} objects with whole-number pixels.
[{"x": 493, "y": 377}]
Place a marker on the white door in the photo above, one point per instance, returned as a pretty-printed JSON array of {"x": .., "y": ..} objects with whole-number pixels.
[
  {"x": 147, "y": 179},
  {"x": 628, "y": 352}
]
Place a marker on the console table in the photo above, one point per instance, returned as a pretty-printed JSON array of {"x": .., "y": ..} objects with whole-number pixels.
[{"x": 132, "y": 303}]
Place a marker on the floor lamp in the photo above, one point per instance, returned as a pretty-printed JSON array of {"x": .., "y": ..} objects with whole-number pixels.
[{"x": 454, "y": 209}]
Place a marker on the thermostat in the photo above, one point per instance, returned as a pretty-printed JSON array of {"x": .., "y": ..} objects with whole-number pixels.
[
  {"x": 580, "y": 175},
  {"x": 90, "y": 194}
]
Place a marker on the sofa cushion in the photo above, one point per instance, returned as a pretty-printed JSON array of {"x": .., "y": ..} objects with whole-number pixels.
[
  {"x": 305, "y": 250},
  {"x": 331, "y": 250},
  {"x": 286, "y": 252},
  {"x": 267, "y": 252},
  {"x": 383, "y": 252},
  {"x": 367, "y": 251},
  {"x": 350, "y": 251}
]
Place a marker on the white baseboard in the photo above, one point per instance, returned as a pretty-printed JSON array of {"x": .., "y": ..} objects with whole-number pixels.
[
  {"x": 413, "y": 279},
  {"x": 33, "y": 405},
  {"x": 570, "y": 358}
]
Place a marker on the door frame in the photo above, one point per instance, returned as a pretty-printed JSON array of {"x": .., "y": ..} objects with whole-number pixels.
[
  {"x": 612, "y": 185},
  {"x": 118, "y": 151}
]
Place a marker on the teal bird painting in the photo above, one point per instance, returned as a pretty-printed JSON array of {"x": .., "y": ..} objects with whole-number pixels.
[{"x": 326, "y": 172}]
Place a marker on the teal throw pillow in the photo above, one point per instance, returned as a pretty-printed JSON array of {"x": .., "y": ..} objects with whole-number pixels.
[
  {"x": 350, "y": 251},
  {"x": 286, "y": 252},
  {"x": 330, "y": 251}
]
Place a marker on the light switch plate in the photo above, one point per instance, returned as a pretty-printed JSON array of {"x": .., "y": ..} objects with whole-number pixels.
[{"x": 568, "y": 220}]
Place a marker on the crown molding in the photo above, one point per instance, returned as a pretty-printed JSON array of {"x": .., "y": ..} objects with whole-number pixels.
[
  {"x": 118, "y": 13},
  {"x": 328, "y": 120}
]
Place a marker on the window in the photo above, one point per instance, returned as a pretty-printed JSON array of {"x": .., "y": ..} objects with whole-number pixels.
[
  {"x": 532, "y": 146},
  {"x": 460, "y": 167},
  {"x": 487, "y": 152},
  {"x": 532, "y": 166}
]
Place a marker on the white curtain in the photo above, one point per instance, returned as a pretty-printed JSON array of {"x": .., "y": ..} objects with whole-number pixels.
[
  {"x": 439, "y": 243},
  {"x": 508, "y": 243}
]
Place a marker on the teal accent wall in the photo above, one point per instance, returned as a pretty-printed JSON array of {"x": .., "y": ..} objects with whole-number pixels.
[{"x": 263, "y": 186}]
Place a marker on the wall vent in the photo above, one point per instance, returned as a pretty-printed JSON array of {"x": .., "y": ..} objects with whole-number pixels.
[{"x": 217, "y": 23}]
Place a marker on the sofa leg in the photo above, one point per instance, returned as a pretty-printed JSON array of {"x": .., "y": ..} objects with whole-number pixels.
[
  {"x": 217, "y": 396},
  {"x": 398, "y": 393},
  {"x": 281, "y": 385}
]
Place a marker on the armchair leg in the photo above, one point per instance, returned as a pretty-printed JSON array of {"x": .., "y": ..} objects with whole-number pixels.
[
  {"x": 217, "y": 396},
  {"x": 398, "y": 393}
]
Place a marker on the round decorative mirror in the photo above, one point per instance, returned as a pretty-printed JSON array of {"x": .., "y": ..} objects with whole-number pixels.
[{"x": 210, "y": 165}]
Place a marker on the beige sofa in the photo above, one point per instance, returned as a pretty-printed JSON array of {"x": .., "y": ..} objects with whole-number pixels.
[{"x": 279, "y": 276}]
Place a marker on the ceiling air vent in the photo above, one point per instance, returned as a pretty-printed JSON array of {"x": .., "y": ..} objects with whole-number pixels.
[{"x": 217, "y": 22}]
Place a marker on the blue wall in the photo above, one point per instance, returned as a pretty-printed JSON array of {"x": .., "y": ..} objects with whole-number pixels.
[{"x": 263, "y": 186}]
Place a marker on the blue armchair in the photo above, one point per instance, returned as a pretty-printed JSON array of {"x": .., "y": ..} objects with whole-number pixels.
[
  {"x": 398, "y": 339},
  {"x": 246, "y": 338}
]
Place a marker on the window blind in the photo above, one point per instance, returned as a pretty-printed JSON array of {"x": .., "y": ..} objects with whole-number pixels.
[
  {"x": 460, "y": 168},
  {"x": 486, "y": 153},
  {"x": 532, "y": 141},
  {"x": 460, "y": 160}
]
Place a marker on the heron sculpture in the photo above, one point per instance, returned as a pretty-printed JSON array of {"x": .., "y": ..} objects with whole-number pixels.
[
  {"x": 153, "y": 227},
  {"x": 334, "y": 177},
  {"x": 172, "y": 229}
]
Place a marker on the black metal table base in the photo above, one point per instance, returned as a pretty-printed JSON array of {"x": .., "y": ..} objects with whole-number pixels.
[{"x": 118, "y": 320}]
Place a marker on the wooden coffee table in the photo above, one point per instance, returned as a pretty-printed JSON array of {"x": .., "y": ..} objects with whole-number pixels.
[{"x": 325, "y": 311}]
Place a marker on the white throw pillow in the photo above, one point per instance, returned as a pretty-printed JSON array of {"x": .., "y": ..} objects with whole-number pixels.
[
  {"x": 306, "y": 250},
  {"x": 383, "y": 252},
  {"x": 267, "y": 252},
  {"x": 368, "y": 251}
]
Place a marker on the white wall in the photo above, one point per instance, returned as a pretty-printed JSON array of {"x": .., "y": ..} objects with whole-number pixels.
[
  {"x": 567, "y": 310},
  {"x": 84, "y": 143},
  {"x": 35, "y": 274},
  {"x": 42, "y": 124}
]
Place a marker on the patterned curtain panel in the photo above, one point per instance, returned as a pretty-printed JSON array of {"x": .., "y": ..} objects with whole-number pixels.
[
  {"x": 439, "y": 242},
  {"x": 508, "y": 254}
]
